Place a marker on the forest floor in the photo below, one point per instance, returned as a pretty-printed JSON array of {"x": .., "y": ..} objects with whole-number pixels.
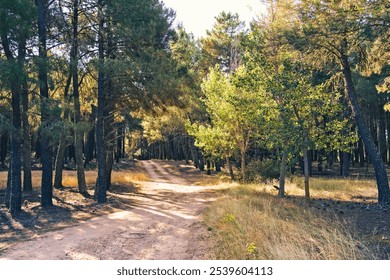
[
  {"x": 159, "y": 218},
  {"x": 155, "y": 210}
]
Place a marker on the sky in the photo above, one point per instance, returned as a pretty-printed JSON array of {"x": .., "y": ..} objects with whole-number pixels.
[{"x": 197, "y": 16}]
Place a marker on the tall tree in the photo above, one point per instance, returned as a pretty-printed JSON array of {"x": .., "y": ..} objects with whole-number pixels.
[
  {"x": 16, "y": 23},
  {"x": 74, "y": 53},
  {"x": 46, "y": 148},
  {"x": 238, "y": 114},
  {"x": 339, "y": 32},
  {"x": 222, "y": 44},
  {"x": 101, "y": 189}
]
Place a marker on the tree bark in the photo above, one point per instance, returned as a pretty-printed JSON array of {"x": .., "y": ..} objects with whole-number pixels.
[
  {"x": 100, "y": 190},
  {"x": 282, "y": 177},
  {"x": 230, "y": 167},
  {"x": 345, "y": 164},
  {"x": 27, "y": 178},
  {"x": 14, "y": 182},
  {"x": 8, "y": 189},
  {"x": 208, "y": 167},
  {"x": 60, "y": 157},
  {"x": 379, "y": 167},
  {"x": 26, "y": 147},
  {"x": 4, "y": 148},
  {"x": 243, "y": 166},
  {"x": 59, "y": 162},
  {"x": 16, "y": 179},
  {"x": 46, "y": 149},
  {"x": 306, "y": 175},
  {"x": 78, "y": 143}
]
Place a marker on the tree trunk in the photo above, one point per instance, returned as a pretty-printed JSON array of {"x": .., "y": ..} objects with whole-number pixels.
[
  {"x": 16, "y": 179},
  {"x": 361, "y": 152},
  {"x": 201, "y": 162},
  {"x": 230, "y": 167},
  {"x": 100, "y": 190},
  {"x": 46, "y": 149},
  {"x": 218, "y": 165},
  {"x": 208, "y": 164},
  {"x": 14, "y": 182},
  {"x": 282, "y": 177},
  {"x": 59, "y": 162},
  {"x": 8, "y": 189},
  {"x": 78, "y": 143},
  {"x": 306, "y": 175},
  {"x": 60, "y": 157},
  {"x": 345, "y": 164},
  {"x": 243, "y": 166},
  {"x": 27, "y": 179},
  {"x": 3, "y": 149},
  {"x": 26, "y": 147},
  {"x": 90, "y": 143},
  {"x": 380, "y": 171},
  {"x": 382, "y": 147}
]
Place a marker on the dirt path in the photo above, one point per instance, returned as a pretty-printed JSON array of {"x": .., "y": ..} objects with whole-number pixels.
[{"x": 164, "y": 223}]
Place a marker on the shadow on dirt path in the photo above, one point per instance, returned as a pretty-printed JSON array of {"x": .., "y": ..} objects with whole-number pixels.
[{"x": 163, "y": 222}]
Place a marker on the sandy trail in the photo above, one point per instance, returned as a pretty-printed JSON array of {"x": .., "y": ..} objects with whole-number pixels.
[{"x": 164, "y": 223}]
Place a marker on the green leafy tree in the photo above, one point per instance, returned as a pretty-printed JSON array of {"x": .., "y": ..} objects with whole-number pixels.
[
  {"x": 309, "y": 115},
  {"x": 237, "y": 116},
  {"x": 337, "y": 34}
]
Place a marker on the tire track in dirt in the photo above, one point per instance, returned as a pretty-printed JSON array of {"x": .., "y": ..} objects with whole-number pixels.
[{"x": 165, "y": 222}]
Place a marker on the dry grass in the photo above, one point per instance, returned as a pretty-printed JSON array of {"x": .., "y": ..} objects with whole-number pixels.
[
  {"x": 335, "y": 188},
  {"x": 117, "y": 178},
  {"x": 69, "y": 178},
  {"x": 252, "y": 224}
]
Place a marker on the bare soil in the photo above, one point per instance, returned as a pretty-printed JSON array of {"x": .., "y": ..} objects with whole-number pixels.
[{"x": 157, "y": 219}]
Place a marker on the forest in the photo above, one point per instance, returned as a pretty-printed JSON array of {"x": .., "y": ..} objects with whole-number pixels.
[{"x": 301, "y": 91}]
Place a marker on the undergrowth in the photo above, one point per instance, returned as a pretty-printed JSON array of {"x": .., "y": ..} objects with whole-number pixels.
[{"x": 251, "y": 224}]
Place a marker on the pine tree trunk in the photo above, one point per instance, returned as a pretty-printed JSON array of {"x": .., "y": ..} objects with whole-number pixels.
[
  {"x": 13, "y": 198},
  {"x": 4, "y": 148},
  {"x": 201, "y": 162},
  {"x": 59, "y": 162},
  {"x": 218, "y": 166},
  {"x": 282, "y": 177},
  {"x": 27, "y": 179},
  {"x": 361, "y": 152},
  {"x": 382, "y": 147},
  {"x": 8, "y": 189},
  {"x": 379, "y": 167},
  {"x": 46, "y": 149},
  {"x": 100, "y": 190},
  {"x": 208, "y": 165},
  {"x": 60, "y": 157},
  {"x": 26, "y": 147},
  {"x": 109, "y": 166},
  {"x": 78, "y": 143},
  {"x": 243, "y": 166},
  {"x": 16, "y": 179},
  {"x": 306, "y": 175},
  {"x": 345, "y": 164}
]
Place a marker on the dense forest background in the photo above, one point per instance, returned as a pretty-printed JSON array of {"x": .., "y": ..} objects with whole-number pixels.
[{"x": 84, "y": 83}]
